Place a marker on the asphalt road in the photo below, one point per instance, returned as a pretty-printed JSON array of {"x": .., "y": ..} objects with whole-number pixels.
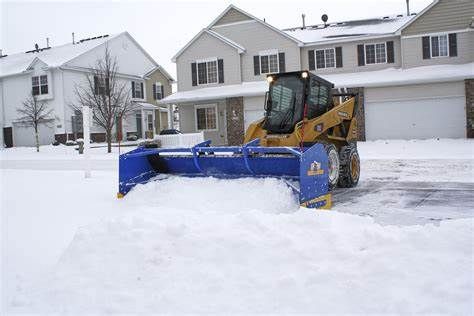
[{"x": 406, "y": 203}]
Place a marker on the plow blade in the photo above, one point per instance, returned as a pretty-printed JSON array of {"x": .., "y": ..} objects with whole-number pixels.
[{"x": 306, "y": 172}]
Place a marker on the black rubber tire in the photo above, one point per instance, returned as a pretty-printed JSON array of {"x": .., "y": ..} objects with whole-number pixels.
[
  {"x": 333, "y": 157},
  {"x": 349, "y": 171}
]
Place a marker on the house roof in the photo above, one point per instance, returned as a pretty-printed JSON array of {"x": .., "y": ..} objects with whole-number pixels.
[
  {"x": 53, "y": 57},
  {"x": 230, "y": 7},
  {"x": 240, "y": 49},
  {"x": 349, "y": 30},
  {"x": 380, "y": 78},
  {"x": 57, "y": 56}
]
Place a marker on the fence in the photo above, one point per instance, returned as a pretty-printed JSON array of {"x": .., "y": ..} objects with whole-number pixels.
[{"x": 180, "y": 140}]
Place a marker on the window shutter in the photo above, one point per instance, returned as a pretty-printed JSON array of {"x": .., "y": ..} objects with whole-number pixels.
[
  {"x": 256, "y": 65},
  {"x": 154, "y": 91},
  {"x": 426, "y": 47},
  {"x": 453, "y": 45},
  {"x": 162, "y": 92},
  {"x": 194, "y": 74},
  {"x": 360, "y": 55},
  {"x": 311, "y": 64},
  {"x": 338, "y": 57},
  {"x": 142, "y": 91},
  {"x": 96, "y": 85},
  {"x": 281, "y": 61},
  {"x": 133, "y": 89},
  {"x": 220, "y": 70},
  {"x": 390, "y": 53}
]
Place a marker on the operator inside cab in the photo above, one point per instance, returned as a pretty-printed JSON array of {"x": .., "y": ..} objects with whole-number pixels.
[{"x": 291, "y": 97}]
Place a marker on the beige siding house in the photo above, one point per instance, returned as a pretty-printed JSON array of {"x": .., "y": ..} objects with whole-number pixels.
[{"x": 414, "y": 74}]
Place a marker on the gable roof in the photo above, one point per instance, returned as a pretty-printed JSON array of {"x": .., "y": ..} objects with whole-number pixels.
[
  {"x": 432, "y": 4},
  {"x": 233, "y": 7},
  {"x": 58, "y": 56},
  {"x": 240, "y": 49},
  {"x": 349, "y": 30}
]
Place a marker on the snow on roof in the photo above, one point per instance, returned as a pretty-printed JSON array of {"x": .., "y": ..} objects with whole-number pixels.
[
  {"x": 349, "y": 29},
  {"x": 380, "y": 78},
  {"x": 53, "y": 57}
]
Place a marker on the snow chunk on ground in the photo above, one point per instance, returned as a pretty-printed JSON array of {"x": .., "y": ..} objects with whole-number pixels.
[{"x": 203, "y": 245}]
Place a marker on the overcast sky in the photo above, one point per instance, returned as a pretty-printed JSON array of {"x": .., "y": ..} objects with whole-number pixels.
[{"x": 163, "y": 27}]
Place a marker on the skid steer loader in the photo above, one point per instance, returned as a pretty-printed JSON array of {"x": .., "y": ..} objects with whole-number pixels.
[{"x": 307, "y": 137}]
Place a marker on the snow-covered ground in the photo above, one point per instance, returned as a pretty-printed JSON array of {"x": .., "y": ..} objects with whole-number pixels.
[{"x": 214, "y": 246}]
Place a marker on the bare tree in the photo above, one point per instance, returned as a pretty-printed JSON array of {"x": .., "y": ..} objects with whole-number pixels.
[
  {"x": 33, "y": 113},
  {"x": 108, "y": 97}
]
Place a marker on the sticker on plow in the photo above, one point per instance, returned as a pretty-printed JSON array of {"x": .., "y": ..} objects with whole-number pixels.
[{"x": 315, "y": 169}]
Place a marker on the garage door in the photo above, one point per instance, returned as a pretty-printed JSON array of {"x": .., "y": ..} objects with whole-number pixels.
[
  {"x": 253, "y": 110},
  {"x": 415, "y": 113},
  {"x": 25, "y": 135}
]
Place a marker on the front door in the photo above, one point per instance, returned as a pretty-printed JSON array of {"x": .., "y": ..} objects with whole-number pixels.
[
  {"x": 139, "y": 125},
  {"x": 8, "y": 137}
]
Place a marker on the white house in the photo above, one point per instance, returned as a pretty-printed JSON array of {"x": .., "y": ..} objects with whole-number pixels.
[
  {"x": 52, "y": 74},
  {"x": 414, "y": 73}
]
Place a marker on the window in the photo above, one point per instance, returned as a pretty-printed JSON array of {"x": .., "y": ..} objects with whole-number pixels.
[
  {"x": 206, "y": 117},
  {"x": 137, "y": 90},
  {"x": 99, "y": 85},
  {"x": 269, "y": 62},
  {"x": 158, "y": 91},
  {"x": 375, "y": 53},
  {"x": 207, "y": 71},
  {"x": 39, "y": 84},
  {"x": 325, "y": 58},
  {"x": 439, "y": 45},
  {"x": 150, "y": 122}
]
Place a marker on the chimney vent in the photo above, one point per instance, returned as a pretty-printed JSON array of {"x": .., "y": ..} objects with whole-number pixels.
[
  {"x": 73, "y": 41},
  {"x": 408, "y": 7},
  {"x": 47, "y": 42},
  {"x": 37, "y": 47},
  {"x": 303, "y": 16}
]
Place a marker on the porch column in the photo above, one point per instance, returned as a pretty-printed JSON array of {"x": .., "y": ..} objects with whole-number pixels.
[{"x": 170, "y": 116}]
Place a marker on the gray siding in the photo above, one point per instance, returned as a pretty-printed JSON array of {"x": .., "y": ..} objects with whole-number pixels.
[
  {"x": 447, "y": 15},
  {"x": 204, "y": 47},
  {"x": 232, "y": 16},
  {"x": 412, "y": 55},
  {"x": 255, "y": 37},
  {"x": 349, "y": 56},
  {"x": 187, "y": 121}
]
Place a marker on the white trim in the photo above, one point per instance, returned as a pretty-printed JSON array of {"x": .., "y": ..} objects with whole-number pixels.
[
  {"x": 447, "y": 46},
  {"x": 207, "y": 61},
  {"x": 438, "y": 33},
  {"x": 269, "y": 52},
  {"x": 205, "y": 106},
  {"x": 375, "y": 52},
  {"x": 233, "y": 23},
  {"x": 324, "y": 50},
  {"x": 350, "y": 39}
]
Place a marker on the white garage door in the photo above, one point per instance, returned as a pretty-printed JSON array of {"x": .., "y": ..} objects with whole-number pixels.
[
  {"x": 25, "y": 136},
  {"x": 253, "y": 110},
  {"x": 416, "y": 116}
]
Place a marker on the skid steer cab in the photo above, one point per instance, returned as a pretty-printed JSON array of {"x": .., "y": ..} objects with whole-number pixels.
[{"x": 300, "y": 111}]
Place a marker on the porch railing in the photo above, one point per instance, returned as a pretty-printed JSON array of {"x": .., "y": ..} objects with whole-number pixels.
[{"x": 178, "y": 140}]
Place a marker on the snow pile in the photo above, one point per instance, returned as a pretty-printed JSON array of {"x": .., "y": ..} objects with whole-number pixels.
[{"x": 213, "y": 246}]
